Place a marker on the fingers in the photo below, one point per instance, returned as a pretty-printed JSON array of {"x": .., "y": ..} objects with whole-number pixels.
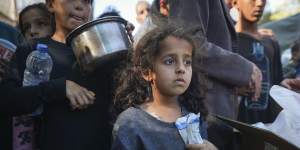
[
  {"x": 84, "y": 98},
  {"x": 79, "y": 97},
  {"x": 89, "y": 96},
  {"x": 266, "y": 32},
  {"x": 285, "y": 83},
  {"x": 256, "y": 79},
  {"x": 292, "y": 84},
  {"x": 73, "y": 103}
]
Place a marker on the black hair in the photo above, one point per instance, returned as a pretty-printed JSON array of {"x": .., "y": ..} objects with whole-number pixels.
[
  {"x": 132, "y": 87},
  {"x": 43, "y": 8}
]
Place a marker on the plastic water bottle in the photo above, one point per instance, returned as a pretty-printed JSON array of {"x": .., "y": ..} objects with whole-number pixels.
[
  {"x": 262, "y": 61},
  {"x": 38, "y": 68}
]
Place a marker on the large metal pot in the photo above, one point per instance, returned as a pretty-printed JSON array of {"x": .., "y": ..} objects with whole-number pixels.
[{"x": 94, "y": 40}]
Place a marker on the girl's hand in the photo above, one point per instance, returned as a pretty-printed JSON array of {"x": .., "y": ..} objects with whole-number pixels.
[
  {"x": 255, "y": 83},
  {"x": 80, "y": 97},
  {"x": 205, "y": 146}
]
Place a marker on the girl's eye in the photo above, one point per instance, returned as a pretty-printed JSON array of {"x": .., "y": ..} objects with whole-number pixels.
[
  {"x": 169, "y": 61},
  {"x": 188, "y": 62}
]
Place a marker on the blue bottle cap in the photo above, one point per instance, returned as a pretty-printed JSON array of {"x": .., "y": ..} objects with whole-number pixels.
[{"x": 42, "y": 48}]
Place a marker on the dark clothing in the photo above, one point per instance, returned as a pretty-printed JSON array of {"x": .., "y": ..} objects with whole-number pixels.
[
  {"x": 215, "y": 57},
  {"x": 225, "y": 69},
  {"x": 272, "y": 52},
  {"x": 298, "y": 70},
  {"x": 12, "y": 35},
  {"x": 62, "y": 128},
  {"x": 135, "y": 129},
  {"x": 34, "y": 96}
]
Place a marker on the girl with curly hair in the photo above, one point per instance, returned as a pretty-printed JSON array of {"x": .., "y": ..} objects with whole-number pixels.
[{"x": 155, "y": 89}]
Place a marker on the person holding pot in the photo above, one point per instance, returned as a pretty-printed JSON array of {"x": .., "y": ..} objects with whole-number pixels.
[{"x": 66, "y": 124}]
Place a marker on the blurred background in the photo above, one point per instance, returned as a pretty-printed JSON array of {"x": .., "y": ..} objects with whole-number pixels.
[{"x": 282, "y": 16}]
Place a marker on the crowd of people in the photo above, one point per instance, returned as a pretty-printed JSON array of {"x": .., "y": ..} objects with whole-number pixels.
[{"x": 187, "y": 57}]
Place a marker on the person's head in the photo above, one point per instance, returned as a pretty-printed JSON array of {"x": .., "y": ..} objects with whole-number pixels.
[
  {"x": 69, "y": 14},
  {"x": 250, "y": 10},
  {"x": 142, "y": 9},
  {"x": 295, "y": 50},
  {"x": 162, "y": 65},
  {"x": 35, "y": 21}
]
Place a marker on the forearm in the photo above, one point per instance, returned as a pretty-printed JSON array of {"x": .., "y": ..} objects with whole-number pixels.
[
  {"x": 223, "y": 65},
  {"x": 23, "y": 100},
  {"x": 216, "y": 62}
]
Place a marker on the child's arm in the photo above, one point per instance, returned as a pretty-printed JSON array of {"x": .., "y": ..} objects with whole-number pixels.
[
  {"x": 22, "y": 100},
  {"x": 18, "y": 100}
]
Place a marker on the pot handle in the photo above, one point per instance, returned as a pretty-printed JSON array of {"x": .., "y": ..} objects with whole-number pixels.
[{"x": 129, "y": 28}]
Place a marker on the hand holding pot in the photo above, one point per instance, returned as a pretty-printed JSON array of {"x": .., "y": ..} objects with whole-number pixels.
[{"x": 79, "y": 97}]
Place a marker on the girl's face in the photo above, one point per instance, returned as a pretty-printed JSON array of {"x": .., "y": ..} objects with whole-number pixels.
[
  {"x": 251, "y": 10},
  {"x": 172, "y": 68},
  {"x": 69, "y": 14},
  {"x": 35, "y": 24}
]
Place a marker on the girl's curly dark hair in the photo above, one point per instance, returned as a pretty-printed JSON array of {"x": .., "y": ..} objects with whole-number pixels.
[{"x": 132, "y": 87}]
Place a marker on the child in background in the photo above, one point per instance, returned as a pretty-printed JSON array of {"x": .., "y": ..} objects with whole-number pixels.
[
  {"x": 158, "y": 89},
  {"x": 250, "y": 13},
  {"x": 35, "y": 21}
]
